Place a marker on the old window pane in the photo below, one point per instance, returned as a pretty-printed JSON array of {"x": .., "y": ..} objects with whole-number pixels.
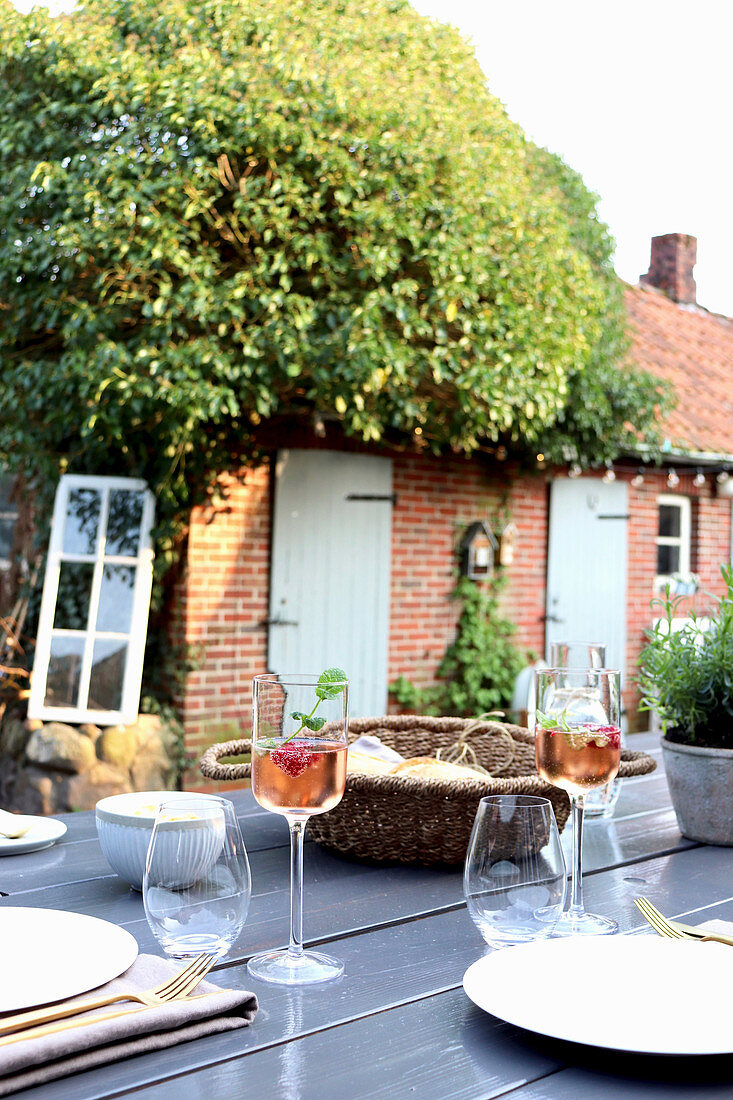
[
  {"x": 668, "y": 559},
  {"x": 105, "y": 683},
  {"x": 115, "y": 599},
  {"x": 81, "y": 528},
  {"x": 74, "y": 592},
  {"x": 64, "y": 672},
  {"x": 670, "y": 521},
  {"x": 123, "y": 523}
]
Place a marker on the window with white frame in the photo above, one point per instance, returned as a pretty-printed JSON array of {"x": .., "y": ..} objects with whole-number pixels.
[
  {"x": 673, "y": 538},
  {"x": 96, "y": 597},
  {"x": 8, "y": 519}
]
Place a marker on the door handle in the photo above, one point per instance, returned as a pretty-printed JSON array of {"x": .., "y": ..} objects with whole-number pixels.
[
  {"x": 551, "y": 619},
  {"x": 278, "y": 622}
]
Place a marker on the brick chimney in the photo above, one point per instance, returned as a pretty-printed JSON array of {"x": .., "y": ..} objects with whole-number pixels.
[{"x": 670, "y": 268}]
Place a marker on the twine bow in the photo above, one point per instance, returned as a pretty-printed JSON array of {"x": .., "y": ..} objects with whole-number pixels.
[{"x": 464, "y": 754}]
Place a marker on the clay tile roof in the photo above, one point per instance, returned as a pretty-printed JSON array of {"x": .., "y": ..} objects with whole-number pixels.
[{"x": 692, "y": 349}]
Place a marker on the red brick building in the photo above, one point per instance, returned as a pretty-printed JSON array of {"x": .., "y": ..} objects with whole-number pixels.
[{"x": 589, "y": 551}]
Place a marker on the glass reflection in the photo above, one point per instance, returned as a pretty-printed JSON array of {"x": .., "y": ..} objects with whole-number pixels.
[
  {"x": 74, "y": 592},
  {"x": 64, "y": 671},
  {"x": 123, "y": 523},
  {"x": 108, "y": 669},
  {"x": 82, "y": 521},
  {"x": 115, "y": 599}
]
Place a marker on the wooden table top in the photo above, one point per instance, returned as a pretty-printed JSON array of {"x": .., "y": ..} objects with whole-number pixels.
[{"x": 398, "y": 1023}]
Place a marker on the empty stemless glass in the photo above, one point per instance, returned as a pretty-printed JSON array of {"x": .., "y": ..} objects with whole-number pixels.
[
  {"x": 601, "y": 801},
  {"x": 514, "y": 876},
  {"x": 197, "y": 884}
]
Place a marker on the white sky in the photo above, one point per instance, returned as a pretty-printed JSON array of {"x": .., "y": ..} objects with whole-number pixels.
[{"x": 636, "y": 95}]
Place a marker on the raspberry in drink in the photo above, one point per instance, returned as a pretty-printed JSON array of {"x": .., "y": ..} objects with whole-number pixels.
[
  {"x": 578, "y": 760},
  {"x": 300, "y": 777}
]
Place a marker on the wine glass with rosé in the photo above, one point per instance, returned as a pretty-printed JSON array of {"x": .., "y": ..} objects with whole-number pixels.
[
  {"x": 299, "y": 744},
  {"x": 578, "y": 748}
]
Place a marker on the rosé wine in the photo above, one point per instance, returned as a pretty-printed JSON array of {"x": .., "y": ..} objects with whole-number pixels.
[
  {"x": 300, "y": 777},
  {"x": 578, "y": 760}
]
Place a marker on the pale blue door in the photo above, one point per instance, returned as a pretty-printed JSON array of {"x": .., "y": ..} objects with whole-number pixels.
[
  {"x": 586, "y": 571},
  {"x": 330, "y": 581}
]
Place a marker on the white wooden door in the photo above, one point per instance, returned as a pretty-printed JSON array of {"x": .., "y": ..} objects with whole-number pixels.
[
  {"x": 330, "y": 580},
  {"x": 586, "y": 572}
]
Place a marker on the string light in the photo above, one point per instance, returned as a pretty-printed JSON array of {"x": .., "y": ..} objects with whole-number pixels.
[
  {"x": 672, "y": 479},
  {"x": 722, "y": 477},
  {"x": 610, "y": 474},
  {"x": 699, "y": 479},
  {"x": 575, "y": 470},
  {"x": 638, "y": 479}
]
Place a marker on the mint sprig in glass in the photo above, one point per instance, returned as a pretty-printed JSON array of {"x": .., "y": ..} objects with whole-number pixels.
[
  {"x": 299, "y": 745},
  {"x": 578, "y": 748}
]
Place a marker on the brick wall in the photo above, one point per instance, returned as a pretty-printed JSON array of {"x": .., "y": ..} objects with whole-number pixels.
[
  {"x": 224, "y": 598},
  {"x": 222, "y": 602},
  {"x": 436, "y": 501},
  {"x": 710, "y": 547}
]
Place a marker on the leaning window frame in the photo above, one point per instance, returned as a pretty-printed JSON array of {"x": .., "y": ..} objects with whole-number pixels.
[
  {"x": 135, "y": 637},
  {"x": 684, "y": 541}
]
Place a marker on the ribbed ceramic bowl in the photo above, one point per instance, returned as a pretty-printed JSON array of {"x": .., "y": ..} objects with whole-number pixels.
[{"x": 125, "y": 826}]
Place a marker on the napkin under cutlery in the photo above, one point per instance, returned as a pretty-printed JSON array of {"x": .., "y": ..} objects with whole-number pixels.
[{"x": 34, "y": 1061}]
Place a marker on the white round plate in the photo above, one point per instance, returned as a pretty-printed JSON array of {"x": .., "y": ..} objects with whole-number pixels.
[
  {"x": 49, "y": 955},
  {"x": 639, "y": 994},
  {"x": 44, "y": 832}
]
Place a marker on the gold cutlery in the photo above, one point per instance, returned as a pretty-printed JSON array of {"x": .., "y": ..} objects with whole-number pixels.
[
  {"x": 173, "y": 989},
  {"x": 673, "y": 930}
]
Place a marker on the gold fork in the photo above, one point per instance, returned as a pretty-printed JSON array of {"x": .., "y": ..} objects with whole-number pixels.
[
  {"x": 673, "y": 930},
  {"x": 180, "y": 985}
]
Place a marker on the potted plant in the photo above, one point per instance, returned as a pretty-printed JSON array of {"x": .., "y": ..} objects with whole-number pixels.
[{"x": 686, "y": 678}]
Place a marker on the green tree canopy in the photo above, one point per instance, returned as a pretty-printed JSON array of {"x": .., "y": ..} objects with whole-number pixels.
[{"x": 215, "y": 212}]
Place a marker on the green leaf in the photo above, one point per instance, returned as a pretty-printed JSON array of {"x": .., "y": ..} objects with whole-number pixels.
[
  {"x": 330, "y": 676},
  {"x": 310, "y": 722}
]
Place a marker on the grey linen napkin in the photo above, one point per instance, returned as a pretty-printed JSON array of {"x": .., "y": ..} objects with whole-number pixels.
[{"x": 34, "y": 1061}]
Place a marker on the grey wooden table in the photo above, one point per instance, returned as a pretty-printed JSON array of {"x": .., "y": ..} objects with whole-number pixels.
[{"x": 398, "y": 1024}]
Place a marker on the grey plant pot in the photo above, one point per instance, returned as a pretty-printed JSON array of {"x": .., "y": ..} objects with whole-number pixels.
[{"x": 700, "y": 783}]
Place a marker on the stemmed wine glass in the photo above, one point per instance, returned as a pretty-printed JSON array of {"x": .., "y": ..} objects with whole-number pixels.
[
  {"x": 577, "y": 655},
  {"x": 299, "y": 744},
  {"x": 599, "y": 802},
  {"x": 578, "y": 748}
]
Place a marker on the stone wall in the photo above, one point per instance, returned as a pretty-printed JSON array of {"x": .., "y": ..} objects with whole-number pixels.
[{"x": 55, "y": 768}]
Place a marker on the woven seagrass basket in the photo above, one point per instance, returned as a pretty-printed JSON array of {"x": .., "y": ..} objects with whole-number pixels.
[{"x": 395, "y": 818}]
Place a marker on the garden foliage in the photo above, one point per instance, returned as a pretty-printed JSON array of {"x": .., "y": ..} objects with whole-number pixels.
[
  {"x": 219, "y": 212},
  {"x": 686, "y": 669},
  {"x": 477, "y": 673}
]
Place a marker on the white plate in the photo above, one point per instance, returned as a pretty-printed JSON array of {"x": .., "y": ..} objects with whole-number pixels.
[
  {"x": 49, "y": 955},
  {"x": 640, "y": 994},
  {"x": 44, "y": 832}
]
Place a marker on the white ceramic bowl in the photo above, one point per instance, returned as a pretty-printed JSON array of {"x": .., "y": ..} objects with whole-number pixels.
[{"x": 125, "y": 825}]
